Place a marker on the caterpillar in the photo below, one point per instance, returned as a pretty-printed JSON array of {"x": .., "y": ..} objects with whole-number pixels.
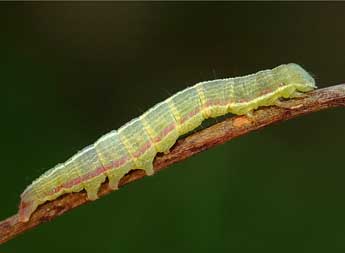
[{"x": 135, "y": 144}]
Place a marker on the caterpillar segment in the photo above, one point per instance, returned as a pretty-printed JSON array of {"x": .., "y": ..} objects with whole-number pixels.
[
  {"x": 91, "y": 171},
  {"x": 212, "y": 99},
  {"x": 188, "y": 109},
  {"x": 115, "y": 157},
  {"x": 161, "y": 125},
  {"x": 139, "y": 145}
]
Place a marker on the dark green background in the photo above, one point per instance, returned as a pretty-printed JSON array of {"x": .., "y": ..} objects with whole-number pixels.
[{"x": 70, "y": 72}]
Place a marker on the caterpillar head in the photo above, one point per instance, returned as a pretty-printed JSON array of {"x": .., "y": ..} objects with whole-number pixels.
[
  {"x": 295, "y": 75},
  {"x": 302, "y": 80}
]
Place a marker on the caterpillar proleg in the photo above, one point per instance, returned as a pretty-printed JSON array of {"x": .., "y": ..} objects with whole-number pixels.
[{"x": 135, "y": 144}]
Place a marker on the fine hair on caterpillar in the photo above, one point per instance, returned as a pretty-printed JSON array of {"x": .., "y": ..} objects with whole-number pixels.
[{"x": 135, "y": 144}]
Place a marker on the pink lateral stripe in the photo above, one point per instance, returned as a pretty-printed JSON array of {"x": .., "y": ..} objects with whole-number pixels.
[
  {"x": 118, "y": 163},
  {"x": 266, "y": 91},
  {"x": 142, "y": 149},
  {"x": 164, "y": 133},
  {"x": 189, "y": 115},
  {"x": 215, "y": 102}
]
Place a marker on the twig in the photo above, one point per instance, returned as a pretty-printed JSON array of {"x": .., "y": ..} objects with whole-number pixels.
[{"x": 226, "y": 130}]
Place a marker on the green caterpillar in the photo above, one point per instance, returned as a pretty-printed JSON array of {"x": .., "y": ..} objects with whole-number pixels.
[{"x": 135, "y": 144}]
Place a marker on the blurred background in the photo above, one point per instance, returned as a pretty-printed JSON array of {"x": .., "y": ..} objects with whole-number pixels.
[{"x": 71, "y": 72}]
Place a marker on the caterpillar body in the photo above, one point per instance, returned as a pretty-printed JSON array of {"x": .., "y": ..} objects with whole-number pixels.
[{"x": 135, "y": 144}]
